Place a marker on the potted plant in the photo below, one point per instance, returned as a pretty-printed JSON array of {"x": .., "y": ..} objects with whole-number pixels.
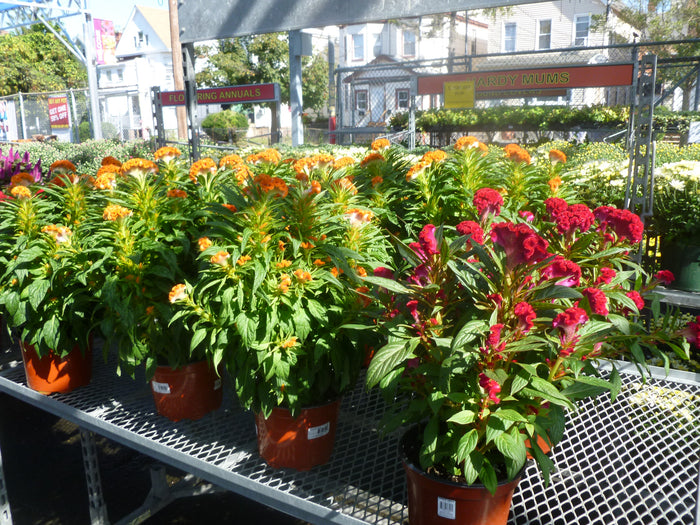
[
  {"x": 495, "y": 326},
  {"x": 52, "y": 279},
  {"x": 277, "y": 290}
]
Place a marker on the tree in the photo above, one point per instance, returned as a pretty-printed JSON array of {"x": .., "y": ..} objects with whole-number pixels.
[
  {"x": 35, "y": 60},
  {"x": 663, "y": 20},
  {"x": 262, "y": 59}
]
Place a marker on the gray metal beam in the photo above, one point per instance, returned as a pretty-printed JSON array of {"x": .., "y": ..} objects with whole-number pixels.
[{"x": 215, "y": 19}]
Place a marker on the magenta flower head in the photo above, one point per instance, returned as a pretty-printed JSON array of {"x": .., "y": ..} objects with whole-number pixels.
[
  {"x": 427, "y": 241},
  {"x": 637, "y": 298},
  {"x": 382, "y": 271},
  {"x": 624, "y": 223},
  {"x": 565, "y": 272},
  {"x": 527, "y": 215},
  {"x": 577, "y": 217},
  {"x": 473, "y": 229},
  {"x": 555, "y": 207},
  {"x": 606, "y": 275},
  {"x": 692, "y": 332},
  {"x": 568, "y": 323},
  {"x": 526, "y": 315},
  {"x": 520, "y": 242},
  {"x": 598, "y": 300},
  {"x": 491, "y": 387},
  {"x": 487, "y": 201},
  {"x": 665, "y": 277}
]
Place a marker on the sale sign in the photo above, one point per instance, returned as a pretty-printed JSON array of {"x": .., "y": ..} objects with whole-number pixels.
[{"x": 58, "y": 112}]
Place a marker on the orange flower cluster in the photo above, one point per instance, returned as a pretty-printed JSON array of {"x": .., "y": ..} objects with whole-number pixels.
[
  {"x": 346, "y": 184},
  {"x": 377, "y": 180},
  {"x": 343, "y": 162},
  {"x": 105, "y": 181},
  {"x": 302, "y": 275},
  {"x": 289, "y": 343},
  {"x": 137, "y": 167},
  {"x": 242, "y": 260},
  {"x": 230, "y": 207},
  {"x": 114, "y": 211},
  {"x": 177, "y": 193},
  {"x": 371, "y": 158},
  {"x": 319, "y": 263},
  {"x": 201, "y": 167},
  {"x": 272, "y": 184},
  {"x": 110, "y": 161},
  {"x": 204, "y": 243},
  {"x": 362, "y": 297},
  {"x": 284, "y": 263},
  {"x": 60, "y": 234},
  {"x": 285, "y": 283},
  {"x": 232, "y": 160},
  {"x": 177, "y": 293},
  {"x": 112, "y": 169},
  {"x": 469, "y": 142},
  {"x": 417, "y": 170},
  {"x": 22, "y": 179},
  {"x": 220, "y": 258},
  {"x": 554, "y": 184},
  {"x": 434, "y": 156},
  {"x": 380, "y": 144},
  {"x": 315, "y": 187},
  {"x": 517, "y": 154},
  {"x": 167, "y": 153},
  {"x": 62, "y": 166},
  {"x": 268, "y": 156},
  {"x": 358, "y": 217},
  {"x": 556, "y": 156}
]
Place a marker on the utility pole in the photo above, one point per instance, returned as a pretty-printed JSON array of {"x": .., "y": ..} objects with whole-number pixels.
[{"x": 178, "y": 77}]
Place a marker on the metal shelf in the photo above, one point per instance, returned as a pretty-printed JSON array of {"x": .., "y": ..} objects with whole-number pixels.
[
  {"x": 679, "y": 297},
  {"x": 631, "y": 462}
]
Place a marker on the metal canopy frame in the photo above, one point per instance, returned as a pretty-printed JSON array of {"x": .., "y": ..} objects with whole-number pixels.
[{"x": 15, "y": 14}]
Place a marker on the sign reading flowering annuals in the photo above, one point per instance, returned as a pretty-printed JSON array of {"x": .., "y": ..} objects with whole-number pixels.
[{"x": 224, "y": 95}]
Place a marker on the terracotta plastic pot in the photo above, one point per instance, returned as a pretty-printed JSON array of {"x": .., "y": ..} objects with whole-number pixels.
[
  {"x": 188, "y": 392},
  {"x": 435, "y": 501},
  {"x": 544, "y": 444},
  {"x": 52, "y": 374},
  {"x": 299, "y": 443}
]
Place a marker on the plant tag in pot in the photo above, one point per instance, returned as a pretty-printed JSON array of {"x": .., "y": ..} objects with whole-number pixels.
[
  {"x": 160, "y": 388},
  {"x": 447, "y": 508},
  {"x": 319, "y": 431}
]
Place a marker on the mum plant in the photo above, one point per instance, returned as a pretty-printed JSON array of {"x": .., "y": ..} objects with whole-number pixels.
[
  {"x": 280, "y": 280},
  {"x": 496, "y": 326}
]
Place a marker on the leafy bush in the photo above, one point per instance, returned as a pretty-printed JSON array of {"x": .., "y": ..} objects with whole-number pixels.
[{"x": 225, "y": 125}]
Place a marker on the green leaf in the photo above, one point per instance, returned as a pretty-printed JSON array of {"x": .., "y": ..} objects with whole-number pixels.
[
  {"x": 463, "y": 417},
  {"x": 615, "y": 383},
  {"x": 467, "y": 443},
  {"x": 387, "y": 358},
  {"x": 36, "y": 292},
  {"x": 198, "y": 337},
  {"x": 389, "y": 284},
  {"x": 467, "y": 334},
  {"x": 584, "y": 387},
  {"x": 51, "y": 334},
  {"x": 514, "y": 449},
  {"x": 508, "y": 414}
]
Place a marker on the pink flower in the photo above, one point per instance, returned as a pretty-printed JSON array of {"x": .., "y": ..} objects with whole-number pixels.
[
  {"x": 491, "y": 387},
  {"x": 692, "y": 332},
  {"x": 487, "y": 200},
  {"x": 427, "y": 240},
  {"x": 568, "y": 323},
  {"x": 496, "y": 298},
  {"x": 606, "y": 275},
  {"x": 413, "y": 309},
  {"x": 527, "y": 215},
  {"x": 420, "y": 276},
  {"x": 637, "y": 298},
  {"x": 665, "y": 277},
  {"x": 567, "y": 272},
  {"x": 526, "y": 315},
  {"x": 520, "y": 242},
  {"x": 598, "y": 300},
  {"x": 473, "y": 229},
  {"x": 381, "y": 271}
]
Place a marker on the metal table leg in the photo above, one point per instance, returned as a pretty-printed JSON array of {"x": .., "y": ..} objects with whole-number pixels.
[
  {"x": 98, "y": 509},
  {"x": 5, "y": 514}
]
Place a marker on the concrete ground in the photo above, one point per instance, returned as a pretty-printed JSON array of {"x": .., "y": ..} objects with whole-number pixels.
[{"x": 43, "y": 467}]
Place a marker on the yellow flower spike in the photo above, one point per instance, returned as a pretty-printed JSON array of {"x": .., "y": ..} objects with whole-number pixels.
[
  {"x": 380, "y": 144},
  {"x": 204, "y": 243},
  {"x": 177, "y": 293},
  {"x": 21, "y": 192},
  {"x": 220, "y": 258},
  {"x": 113, "y": 212},
  {"x": 289, "y": 343},
  {"x": 202, "y": 167},
  {"x": 167, "y": 153}
]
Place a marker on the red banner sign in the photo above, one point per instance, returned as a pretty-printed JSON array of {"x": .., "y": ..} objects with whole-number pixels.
[
  {"x": 533, "y": 79},
  {"x": 225, "y": 95},
  {"x": 58, "y": 112}
]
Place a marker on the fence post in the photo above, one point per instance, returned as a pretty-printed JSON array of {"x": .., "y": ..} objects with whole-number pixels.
[
  {"x": 75, "y": 130},
  {"x": 696, "y": 102},
  {"x": 188, "y": 58},
  {"x": 21, "y": 116},
  {"x": 412, "y": 114},
  {"x": 157, "y": 110}
]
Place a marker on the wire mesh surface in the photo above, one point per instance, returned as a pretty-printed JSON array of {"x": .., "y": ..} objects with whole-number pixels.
[{"x": 634, "y": 461}]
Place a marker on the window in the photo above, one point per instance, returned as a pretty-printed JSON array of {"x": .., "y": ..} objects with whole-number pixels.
[
  {"x": 402, "y": 99},
  {"x": 377, "y": 44},
  {"x": 544, "y": 40},
  {"x": 509, "y": 30},
  {"x": 582, "y": 28},
  {"x": 140, "y": 39},
  {"x": 361, "y": 102},
  {"x": 358, "y": 47},
  {"x": 409, "y": 44}
]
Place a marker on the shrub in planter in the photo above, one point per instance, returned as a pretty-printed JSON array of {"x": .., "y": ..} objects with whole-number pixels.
[{"x": 225, "y": 126}]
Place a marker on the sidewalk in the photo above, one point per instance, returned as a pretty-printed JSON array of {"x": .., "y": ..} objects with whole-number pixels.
[{"x": 43, "y": 467}]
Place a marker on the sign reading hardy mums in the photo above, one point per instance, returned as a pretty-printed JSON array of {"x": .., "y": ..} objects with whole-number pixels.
[
  {"x": 224, "y": 95},
  {"x": 528, "y": 79},
  {"x": 58, "y": 112}
]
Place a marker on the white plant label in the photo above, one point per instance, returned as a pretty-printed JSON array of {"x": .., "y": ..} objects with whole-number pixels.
[
  {"x": 160, "y": 388},
  {"x": 447, "y": 508},
  {"x": 319, "y": 431}
]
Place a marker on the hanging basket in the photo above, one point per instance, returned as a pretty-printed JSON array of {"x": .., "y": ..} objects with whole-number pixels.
[
  {"x": 435, "y": 501},
  {"x": 188, "y": 392},
  {"x": 299, "y": 443},
  {"x": 52, "y": 374}
]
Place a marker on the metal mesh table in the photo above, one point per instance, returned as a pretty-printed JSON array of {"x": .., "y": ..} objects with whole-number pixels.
[{"x": 634, "y": 461}]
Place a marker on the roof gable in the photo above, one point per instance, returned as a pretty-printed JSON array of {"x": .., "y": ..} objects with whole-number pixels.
[{"x": 146, "y": 31}]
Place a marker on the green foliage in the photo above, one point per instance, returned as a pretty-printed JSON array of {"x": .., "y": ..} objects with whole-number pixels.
[{"x": 225, "y": 126}]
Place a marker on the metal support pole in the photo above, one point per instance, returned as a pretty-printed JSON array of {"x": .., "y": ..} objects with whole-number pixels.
[
  {"x": 91, "y": 66},
  {"x": 188, "y": 58},
  {"x": 98, "y": 509},
  {"x": 339, "y": 96},
  {"x": 696, "y": 102},
  {"x": 21, "y": 116},
  {"x": 275, "y": 131},
  {"x": 75, "y": 124},
  {"x": 157, "y": 110},
  {"x": 629, "y": 143},
  {"x": 5, "y": 514},
  {"x": 295, "y": 97},
  {"x": 412, "y": 114}
]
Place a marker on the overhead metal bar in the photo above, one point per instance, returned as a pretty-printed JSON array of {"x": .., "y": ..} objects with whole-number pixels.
[{"x": 16, "y": 14}]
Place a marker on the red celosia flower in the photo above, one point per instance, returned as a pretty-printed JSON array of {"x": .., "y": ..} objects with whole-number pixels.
[
  {"x": 567, "y": 272},
  {"x": 527, "y": 215},
  {"x": 637, "y": 298},
  {"x": 381, "y": 271},
  {"x": 598, "y": 300},
  {"x": 568, "y": 323},
  {"x": 496, "y": 298},
  {"x": 491, "y": 387},
  {"x": 555, "y": 206},
  {"x": 692, "y": 332},
  {"x": 413, "y": 309},
  {"x": 624, "y": 223},
  {"x": 473, "y": 229},
  {"x": 494, "y": 338},
  {"x": 487, "y": 200},
  {"x": 665, "y": 277},
  {"x": 427, "y": 240},
  {"x": 520, "y": 242},
  {"x": 575, "y": 217},
  {"x": 606, "y": 275},
  {"x": 526, "y": 315},
  {"x": 420, "y": 275}
]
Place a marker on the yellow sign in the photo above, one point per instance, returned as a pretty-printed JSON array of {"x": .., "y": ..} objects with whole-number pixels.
[{"x": 459, "y": 94}]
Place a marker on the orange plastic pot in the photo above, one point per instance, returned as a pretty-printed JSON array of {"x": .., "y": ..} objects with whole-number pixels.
[
  {"x": 299, "y": 443},
  {"x": 188, "y": 392},
  {"x": 52, "y": 374},
  {"x": 544, "y": 444},
  {"x": 436, "y": 501}
]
